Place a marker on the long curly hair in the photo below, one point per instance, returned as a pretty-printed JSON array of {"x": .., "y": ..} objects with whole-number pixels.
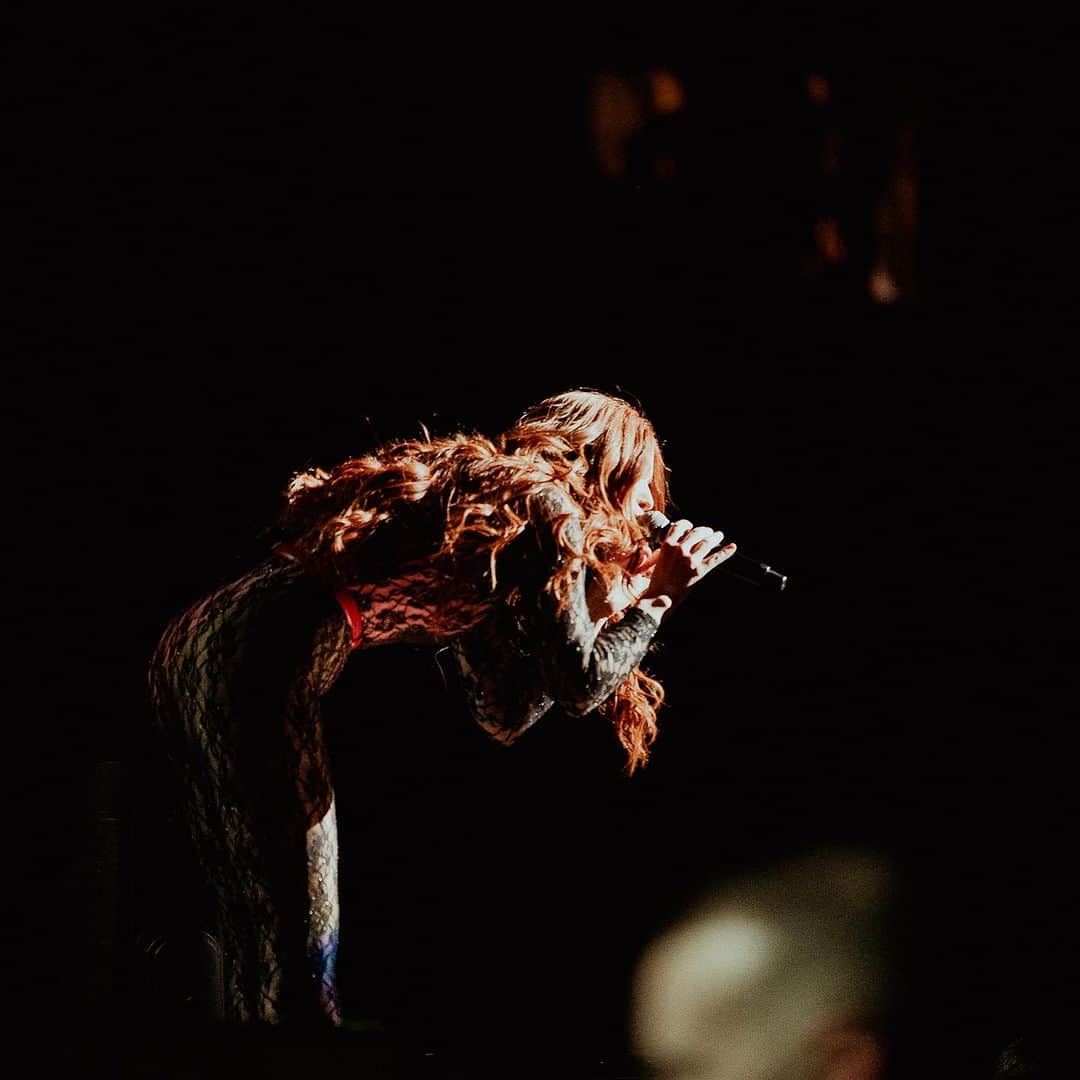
[{"x": 593, "y": 445}]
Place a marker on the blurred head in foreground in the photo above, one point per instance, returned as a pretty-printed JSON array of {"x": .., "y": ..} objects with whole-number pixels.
[{"x": 784, "y": 975}]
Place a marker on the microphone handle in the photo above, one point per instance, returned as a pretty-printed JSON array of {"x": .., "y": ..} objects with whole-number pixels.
[{"x": 754, "y": 571}]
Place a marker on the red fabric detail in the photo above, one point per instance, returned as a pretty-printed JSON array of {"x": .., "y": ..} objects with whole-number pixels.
[
  {"x": 352, "y": 613},
  {"x": 346, "y": 600}
]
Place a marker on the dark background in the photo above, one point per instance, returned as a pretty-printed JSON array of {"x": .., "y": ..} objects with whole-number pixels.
[{"x": 254, "y": 247}]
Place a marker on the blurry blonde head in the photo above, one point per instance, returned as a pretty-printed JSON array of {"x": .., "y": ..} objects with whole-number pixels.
[{"x": 780, "y": 976}]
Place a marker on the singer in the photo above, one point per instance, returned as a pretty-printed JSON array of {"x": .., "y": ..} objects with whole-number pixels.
[{"x": 526, "y": 554}]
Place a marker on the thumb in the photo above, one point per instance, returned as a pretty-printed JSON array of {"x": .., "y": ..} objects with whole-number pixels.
[{"x": 649, "y": 562}]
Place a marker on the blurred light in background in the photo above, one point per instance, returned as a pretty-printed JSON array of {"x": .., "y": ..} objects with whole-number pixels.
[
  {"x": 818, "y": 167},
  {"x": 667, "y": 91},
  {"x": 830, "y": 244},
  {"x": 628, "y": 115},
  {"x": 617, "y": 113},
  {"x": 817, "y": 88},
  {"x": 892, "y": 277}
]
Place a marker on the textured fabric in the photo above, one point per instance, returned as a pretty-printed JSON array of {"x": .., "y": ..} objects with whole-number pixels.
[
  {"x": 344, "y": 598},
  {"x": 237, "y": 680},
  {"x": 521, "y": 660}
]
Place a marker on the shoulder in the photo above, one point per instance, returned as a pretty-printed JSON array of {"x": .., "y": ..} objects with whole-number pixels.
[
  {"x": 557, "y": 521},
  {"x": 552, "y": 503}
]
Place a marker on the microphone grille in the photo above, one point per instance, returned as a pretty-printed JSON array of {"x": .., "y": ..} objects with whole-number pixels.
[{"x": 655, "y": 524}]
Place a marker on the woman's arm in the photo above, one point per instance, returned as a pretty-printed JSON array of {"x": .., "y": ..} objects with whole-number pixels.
[
  {"x": 583, "y": 658},
  {"x": 504, "y": 688},
  {"x": 515, "y": 669}
]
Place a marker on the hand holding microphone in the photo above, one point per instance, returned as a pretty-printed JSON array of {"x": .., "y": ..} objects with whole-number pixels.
[{"x": 686, "y": 553}]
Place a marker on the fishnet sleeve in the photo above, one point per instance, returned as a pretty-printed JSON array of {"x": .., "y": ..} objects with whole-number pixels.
[{"x": 515, "y": 666}]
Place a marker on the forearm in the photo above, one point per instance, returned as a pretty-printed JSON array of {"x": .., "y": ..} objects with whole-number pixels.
[
  {"x": 585, "y": 676},
  {"x": 324, "y": 911},
  {"x": 504, "y": 690}
]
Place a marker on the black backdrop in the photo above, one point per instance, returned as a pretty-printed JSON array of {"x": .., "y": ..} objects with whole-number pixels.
[{"x": 255, "y": 248}]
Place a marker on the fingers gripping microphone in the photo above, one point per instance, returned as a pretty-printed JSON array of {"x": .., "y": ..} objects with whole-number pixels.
[{"x": 745, "y": 567}]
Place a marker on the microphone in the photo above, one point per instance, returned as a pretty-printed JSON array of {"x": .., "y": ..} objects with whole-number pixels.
[{"x": 744, "y": 567}]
